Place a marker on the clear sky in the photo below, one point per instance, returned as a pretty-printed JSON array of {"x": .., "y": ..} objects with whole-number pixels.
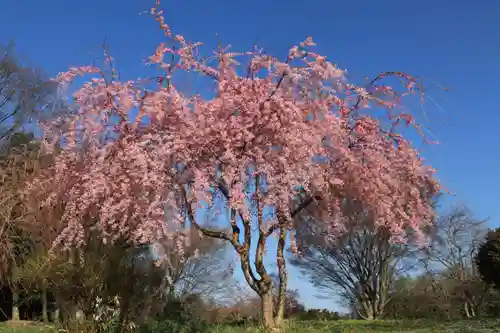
[{"x": 455, "y": 43}]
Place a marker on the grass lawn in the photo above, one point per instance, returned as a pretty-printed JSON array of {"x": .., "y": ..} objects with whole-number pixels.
[
  {"x": 23, "y": 327},
  {"x": 355, "y": 326},
  {"x": 341, "y": 326}
]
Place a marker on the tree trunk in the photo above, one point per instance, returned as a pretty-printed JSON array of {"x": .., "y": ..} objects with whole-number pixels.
[
  {"x": 56, "y": 315},
  {"x": 15, "y": 305},
  {"x": 57, "y": 309},
  {"x": 45, "y": 314},
  {"x": 283, "y": 278},
  {"x": 378, "y": 307},
  {"x": 366, "y": 312},
  {"x": 466, "y": 309},
  {"x": 469, "y": 310},
  {"x": 268, "y": 319},
  {"x": 279, "y": 318}
]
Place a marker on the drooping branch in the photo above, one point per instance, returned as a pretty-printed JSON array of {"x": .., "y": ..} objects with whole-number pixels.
[{"x": 243, "y": 250}]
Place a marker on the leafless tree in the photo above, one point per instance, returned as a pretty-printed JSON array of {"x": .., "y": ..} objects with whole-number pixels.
[
  {"x": 359, "y": 266},
  {"x": 450, "y": 254},
  {"x": 204, "y": 268},
  {"x": 26, "y": 94}
]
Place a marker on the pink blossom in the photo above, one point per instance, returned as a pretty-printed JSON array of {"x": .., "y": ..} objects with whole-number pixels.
[{"x": 275, "y": 123}]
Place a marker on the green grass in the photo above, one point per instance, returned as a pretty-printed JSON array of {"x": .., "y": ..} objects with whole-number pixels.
[
  {"x": 358, "y": 326},
  {"x": 341, "y": 326},
  {"x": 31, "y": 329}
]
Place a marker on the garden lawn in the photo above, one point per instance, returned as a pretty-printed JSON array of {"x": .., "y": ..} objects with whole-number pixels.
[{"x": 339, "y": 326}]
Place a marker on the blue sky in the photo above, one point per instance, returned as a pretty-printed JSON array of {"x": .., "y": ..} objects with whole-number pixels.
[{"x": 453, "y": 43}]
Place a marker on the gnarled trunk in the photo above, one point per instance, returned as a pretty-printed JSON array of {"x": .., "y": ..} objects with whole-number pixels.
[
  {"x": 370, "y": 309},
  {"x": 283, "y": 278},
  {"x": 272, "y": 319},
  {"x": 268, "y": 319},
  {"x": 365, "y": 310}
]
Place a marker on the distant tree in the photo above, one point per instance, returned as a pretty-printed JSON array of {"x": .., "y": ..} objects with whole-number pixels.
[
  {"x": 293, "y": 306},
  {"x": 360, "y": 265},
  {"x": 18, "y": 161},
  {"x": 450, "y": 286},
  {"x": 34, "y": 276},
  {"x": 488, "y": 259},
  {"x": 320, "y": 314},
  {"x": 418, "y": 298},
  {"x": 440, "y": 297},
  {"x": 455, "y": 240},
  {"x": 26, "y": 93},
  {"x": 204, "y": 268}
]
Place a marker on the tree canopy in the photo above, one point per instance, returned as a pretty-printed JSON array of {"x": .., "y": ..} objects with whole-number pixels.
[{"x": 276, "y": 136}]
